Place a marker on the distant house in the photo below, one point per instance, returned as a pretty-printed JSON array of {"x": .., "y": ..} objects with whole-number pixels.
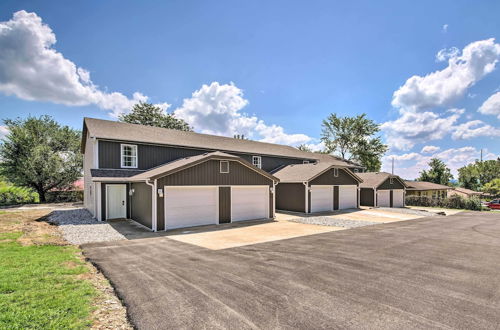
[
  {"x": 428, "y": 189},
  {"x": 463, "y": 192},
  {"x": 381, "y": 189}
]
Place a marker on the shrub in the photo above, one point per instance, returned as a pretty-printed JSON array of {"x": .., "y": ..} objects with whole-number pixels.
[
  {"x": 64, "y": 196},
  {"x": 11, "y": 195},
  {"x": 452, "y": 202}
]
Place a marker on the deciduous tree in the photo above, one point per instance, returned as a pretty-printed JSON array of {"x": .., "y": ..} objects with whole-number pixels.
[
  {"x": 438, "y": 173},
  {"x": 151, "y": 115}
]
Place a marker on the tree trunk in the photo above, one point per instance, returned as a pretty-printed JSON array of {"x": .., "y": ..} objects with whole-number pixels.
[{"x": 41, "y": 195}]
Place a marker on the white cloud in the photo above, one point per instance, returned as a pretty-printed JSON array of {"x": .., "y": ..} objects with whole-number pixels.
[
  {"x": 429, "y": 149},
  {"x": 217, "y": 109},
  {"x": 474, "y": 128},
  {"x": 3, "y": 131},
  {"x": 31, "y": 69},
  {"x": 491, "y": 106},
  {"x": 442, "y": 87},
  {"x": 409, "y": 165},
  {"x": 444, "y": 29},
  {"x": 412, "y": 128},
  {"x": 445, "y": 54}
]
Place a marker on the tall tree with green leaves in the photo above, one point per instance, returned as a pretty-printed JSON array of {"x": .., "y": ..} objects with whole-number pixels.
[
  {"x": 492, "y": 187},
  {"x": 152, "y": 115},
  {"x": 475, "y": 175},
  {"x": 40, "y": 154},
  {"x": 353, "y": 138},
  {"x": 438, "y": 173}
]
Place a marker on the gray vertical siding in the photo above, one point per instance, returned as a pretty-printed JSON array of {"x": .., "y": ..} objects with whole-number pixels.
[
  {"x": 290, "y": 197},
  {"x": 387, "y": 185},
  {"x": 141, "y": 204},
  {"x": 208, "y": 174},
  {"x": 367, "y": 197},
  {"x": 328, "y": 178},
  {"x": 150, "y": 156},
  {"x": 224, "y": 204}
]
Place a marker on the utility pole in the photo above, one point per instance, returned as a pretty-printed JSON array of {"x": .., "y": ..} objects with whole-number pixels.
[{"x": 392, "y": 165}]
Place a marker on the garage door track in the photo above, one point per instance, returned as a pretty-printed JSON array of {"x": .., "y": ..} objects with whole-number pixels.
[{"x": 427, "y": 273}]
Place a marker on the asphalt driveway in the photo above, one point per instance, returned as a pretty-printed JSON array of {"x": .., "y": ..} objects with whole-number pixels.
[{"x": 440, "y": 272}]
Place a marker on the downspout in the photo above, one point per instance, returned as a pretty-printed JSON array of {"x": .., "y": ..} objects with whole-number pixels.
[
  {"x": 153, "y": 204},
  {"x": 274, "y": 199},
  {"x": 307, "y": 196}
]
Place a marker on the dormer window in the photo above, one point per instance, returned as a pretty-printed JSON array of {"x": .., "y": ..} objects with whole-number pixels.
[
  {"x": 335, "y": 172},
  {"x": 224, "y": 166},
  {"x": 128, "y": 156},
  {"x": 257, "y": 161}
]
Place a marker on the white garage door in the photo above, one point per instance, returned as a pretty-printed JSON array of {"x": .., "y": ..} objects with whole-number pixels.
[
  {"x": 398, "y": 198},
  {"x": 348, "y": 197},
  {"x": 383, "y": 198},
  {"x": 191, "y": 206},
  {"x": 249, "y": 202},
  {"x": 321, "y": 198}
]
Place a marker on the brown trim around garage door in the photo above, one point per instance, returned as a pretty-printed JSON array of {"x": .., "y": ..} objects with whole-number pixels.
[
  {"x": 336, "y": 197},
  {"x": 224, "y": 204}
]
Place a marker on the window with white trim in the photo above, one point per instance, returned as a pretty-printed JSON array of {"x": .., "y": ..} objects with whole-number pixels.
[
  {"x": 391, "y": 180},
  {"x": 128, "y": 156},
  {"x": 257, "y": 161},
  {"x": 224, "y": 166},
  {"x": 335, "y": 172}
]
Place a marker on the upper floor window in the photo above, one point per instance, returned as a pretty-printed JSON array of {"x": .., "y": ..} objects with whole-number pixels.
[
  {"x": 224, "y": 166},
  {"x": 129, "y": 155},
  {"x": 335, "y": 172},
  {"x": 257, "y": 161}
]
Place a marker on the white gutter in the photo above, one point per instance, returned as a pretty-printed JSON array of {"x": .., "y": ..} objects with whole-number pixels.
[
  {"x": 153, "y": 204},
  {"x": 274, "y": 199},
  {"x": 307, "y": 196}
]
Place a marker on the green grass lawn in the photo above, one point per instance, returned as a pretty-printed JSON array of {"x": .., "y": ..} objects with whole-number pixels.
[{"x": 42, "y": 286}]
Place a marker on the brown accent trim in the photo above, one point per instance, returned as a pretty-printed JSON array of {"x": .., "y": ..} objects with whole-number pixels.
[
  {"x": 336, "y": 197},
  {"x": 224, "y": 204},
  {"x": 391, "y": 196}
]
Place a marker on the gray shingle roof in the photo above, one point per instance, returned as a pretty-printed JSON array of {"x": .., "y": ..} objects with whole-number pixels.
[
  {"x": 375, "y": 179},
  {"x": 304, "y": 172},
  {"x": 422, "y": 185},
  {"x": 113, "y": 130}
]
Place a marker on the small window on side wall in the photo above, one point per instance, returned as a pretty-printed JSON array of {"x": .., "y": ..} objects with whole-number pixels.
[
  {"x": 391, "y": 180},
  {"x": 224, "y": 166},
  {"x": 335, "y": 172},
  {"x": 257, "y": 161},
  {"x": 128, "y": 156}
]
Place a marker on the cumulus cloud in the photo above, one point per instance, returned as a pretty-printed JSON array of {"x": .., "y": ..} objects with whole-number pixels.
[
  {"x": 429, "y": 149},
  {"x": 442, "y": 87},
  {"x": 3, "y": 131},
  {"x": 409, "y": 165},
  {"x": 474, "y": 128},
  {"x": 217, "y": 109},
  {"x": 412, "y": 128},
  {"x": 491, "y": 106},
  {"x": 31, "y": 69},
  {"x": 445, "y": 54},
  {"x": 444, "y": 28}
]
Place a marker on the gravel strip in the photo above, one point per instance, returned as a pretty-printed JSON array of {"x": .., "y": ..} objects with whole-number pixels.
[
  {"x": 423, "y": 213},
  {"x": 79, "y": 227},
  {"x": 327, "y": 221}
]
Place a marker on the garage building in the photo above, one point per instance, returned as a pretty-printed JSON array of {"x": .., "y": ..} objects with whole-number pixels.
[
  {"x": 316, "y": 187},
  {"x": 381, "y": 189}
]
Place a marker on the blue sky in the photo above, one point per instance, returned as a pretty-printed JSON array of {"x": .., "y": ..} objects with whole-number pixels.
[{"x": 270, "y": 70}]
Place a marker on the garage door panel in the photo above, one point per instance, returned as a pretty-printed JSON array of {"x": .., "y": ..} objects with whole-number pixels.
[
  {"x": 348, "y": 197},
  {"x": 248, "y": 203},
  {"x": 383, "y": 198},
  {"x": 190, "y": 206},
  {"x": 398, "y": 198},
  {"x": 321, "y": 198}
]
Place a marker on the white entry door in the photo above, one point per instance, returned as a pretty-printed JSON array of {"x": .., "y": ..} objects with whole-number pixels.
[
  {"x": 383, "y": 198},
  {"x": 191, "y": 206},
  {"x": 116, "y": 201},
  {"x": 249, "y": 202},
  {"x": 398, "y": 198},
  {"x": 321, "y": 198},
  {"x": 348, "y": 197}
]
